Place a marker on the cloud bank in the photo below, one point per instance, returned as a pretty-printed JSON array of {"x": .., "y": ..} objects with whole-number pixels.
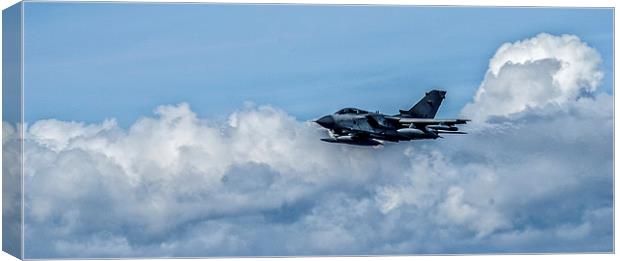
[
  {"x": 535, "y": 178},
  {"x": 536, "y": 72}
]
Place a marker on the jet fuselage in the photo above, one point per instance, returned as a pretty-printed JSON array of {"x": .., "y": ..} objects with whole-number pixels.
[{"x": 359, "y": 127}]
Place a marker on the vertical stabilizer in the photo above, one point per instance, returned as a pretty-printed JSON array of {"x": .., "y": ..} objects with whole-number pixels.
[{"x": 427, "y": 107}]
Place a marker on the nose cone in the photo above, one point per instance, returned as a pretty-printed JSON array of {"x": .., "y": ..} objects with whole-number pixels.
[{"x": 326, "y": 121}]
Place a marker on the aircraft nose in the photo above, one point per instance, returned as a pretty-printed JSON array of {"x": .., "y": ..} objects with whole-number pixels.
[{"x": 326, "y": 121}]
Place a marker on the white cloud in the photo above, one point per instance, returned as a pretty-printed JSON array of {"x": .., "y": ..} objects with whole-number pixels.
[
  {"x": 57, "y": 134},
  {"x": 8, "y": 132},
  {"x": 11, "y": 188},
  {"x": 228, "y": 187},
  {"x": 532, "y": 73},
  {"x": 262, "y": 183}
]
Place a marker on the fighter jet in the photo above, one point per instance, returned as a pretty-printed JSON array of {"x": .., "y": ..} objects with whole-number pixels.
[{"x": 360, "y": 127}]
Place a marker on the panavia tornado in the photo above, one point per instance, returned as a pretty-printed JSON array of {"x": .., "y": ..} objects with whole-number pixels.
[{"x": 359, "y": 127}]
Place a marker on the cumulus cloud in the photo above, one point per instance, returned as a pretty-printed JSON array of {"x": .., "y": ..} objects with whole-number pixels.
[
  {"x": 261, "y": 183},
  {"x": 11, "y": 188},
  {"x": 535, "y": 72}
]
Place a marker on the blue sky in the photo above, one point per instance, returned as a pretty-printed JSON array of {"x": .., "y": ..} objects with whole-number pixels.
[{"x": 91, "y": 61}]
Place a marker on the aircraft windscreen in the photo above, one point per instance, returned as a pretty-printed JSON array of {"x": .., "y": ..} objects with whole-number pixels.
[{"x": 351, "y": 111}]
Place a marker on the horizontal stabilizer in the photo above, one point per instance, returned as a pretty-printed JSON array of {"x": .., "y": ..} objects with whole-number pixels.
[
  {"x": 451, "y": 132},
  {"x": 432, "y": 121}
]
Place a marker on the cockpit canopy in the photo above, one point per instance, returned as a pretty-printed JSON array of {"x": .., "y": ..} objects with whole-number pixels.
[{"x": 351, "y": 111}]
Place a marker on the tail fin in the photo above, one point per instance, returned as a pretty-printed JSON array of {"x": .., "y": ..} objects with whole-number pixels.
[{"x": 427, "y": 107}]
